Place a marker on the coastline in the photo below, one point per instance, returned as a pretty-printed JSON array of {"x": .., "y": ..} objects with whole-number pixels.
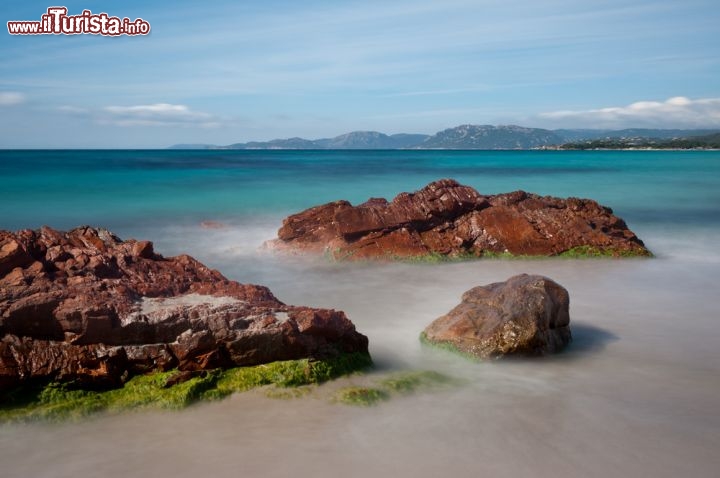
[{"x": 639, "y": 364}]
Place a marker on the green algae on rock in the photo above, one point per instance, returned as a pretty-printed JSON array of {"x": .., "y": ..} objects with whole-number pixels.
[
  {"x": 583, "y": 252},
  {"x": 413, "y": 381},
  {"x": 399, "y": 383},
  {"x": 361, "y": 396},
  {"x": 56, "y": 402},
  {"x": 84, "y": 307}
]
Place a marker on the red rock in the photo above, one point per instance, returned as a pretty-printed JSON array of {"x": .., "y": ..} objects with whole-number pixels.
[
  {"x": 212, "y": 225},
  {"x": 525, "y": 315},
  {"x": 143, "y": 249},
  {"x": 12, "y": 254},
  {"x": 317, "y": 225},
  {"x": 450, "y": 219},
  {"x": 86, "y": 306}
]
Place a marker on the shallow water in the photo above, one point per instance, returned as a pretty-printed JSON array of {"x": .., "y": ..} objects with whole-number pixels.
[{"x": 636, "y": 393}]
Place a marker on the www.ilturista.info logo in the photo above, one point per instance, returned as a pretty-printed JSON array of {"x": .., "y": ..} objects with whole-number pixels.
[{"x": 57, "y": 22}]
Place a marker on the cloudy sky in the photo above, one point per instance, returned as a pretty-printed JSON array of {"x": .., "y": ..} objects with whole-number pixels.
[{"x": 261, "y": 70}]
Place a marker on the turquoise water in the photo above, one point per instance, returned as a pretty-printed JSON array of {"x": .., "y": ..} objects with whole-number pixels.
[
  {"x": 128, "y": 189},
  {"x": 635, "y": 394}
]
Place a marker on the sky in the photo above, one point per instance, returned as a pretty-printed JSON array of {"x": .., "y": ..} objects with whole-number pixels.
[{"x": 245, "y": 70}]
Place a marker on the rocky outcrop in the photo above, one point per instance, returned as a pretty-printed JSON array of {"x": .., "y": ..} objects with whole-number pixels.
[
  {"x": 526, "y": 315},
  {"x": 450, "y": 219},
  {"x": 88, "y": 307}
]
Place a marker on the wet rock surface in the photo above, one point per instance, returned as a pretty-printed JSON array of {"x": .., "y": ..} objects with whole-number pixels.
[
  {"x": 87, "y": 307},
  {"x": 526, "y": 315},
  {"x": 448, "y": 219}
]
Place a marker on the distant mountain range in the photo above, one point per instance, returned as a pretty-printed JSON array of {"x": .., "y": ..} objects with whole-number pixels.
[
  {"x": 465, "y": 137},
  {"x": 469, "y": 136},
  {"x": 354, "y": 140}
]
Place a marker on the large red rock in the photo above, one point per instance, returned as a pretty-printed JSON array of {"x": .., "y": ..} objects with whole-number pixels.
[
  {"x": 450, "y": 219},
  {"x": 84, "y": 305},
  {"x": 525, "y": 315}
]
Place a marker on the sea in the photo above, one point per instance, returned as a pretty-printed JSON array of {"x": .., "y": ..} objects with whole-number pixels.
[{"x": 637, "y": 393}]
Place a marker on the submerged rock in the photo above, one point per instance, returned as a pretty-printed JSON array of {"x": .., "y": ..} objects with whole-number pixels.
[
  {"x": 525, "y": 315},
  {"x": 85, "y": 306},
  {"x": 448, "y": 219}
]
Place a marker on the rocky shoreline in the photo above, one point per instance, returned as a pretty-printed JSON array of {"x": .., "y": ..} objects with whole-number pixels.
[
  {"x": 87, "y": 308},
  {"x": 447, "y": 219},
  {"x": 91, "y": 322}
]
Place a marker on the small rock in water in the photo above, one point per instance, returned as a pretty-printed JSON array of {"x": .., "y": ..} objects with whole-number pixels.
[
  {"x": 526, "y": 315},
  {"x": 212, "y": 225}
]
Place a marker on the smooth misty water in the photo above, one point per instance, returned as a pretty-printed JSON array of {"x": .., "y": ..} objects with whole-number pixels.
[{"x": 636, "y": 393}]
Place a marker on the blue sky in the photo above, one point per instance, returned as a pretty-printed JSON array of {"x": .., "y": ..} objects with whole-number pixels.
[{"x": 273, "y": 69}]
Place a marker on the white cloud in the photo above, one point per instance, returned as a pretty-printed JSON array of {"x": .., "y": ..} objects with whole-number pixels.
[
  {"x": 159, "y": 114},
  {"x": 676, "y": 112},
  {"x": 9, "y": 98}
]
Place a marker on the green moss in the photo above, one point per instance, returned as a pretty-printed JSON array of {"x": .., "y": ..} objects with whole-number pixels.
[
  {"x": 447, "y": 346},
  {"x": 510, "y": 256},
  {"x": 436, "y": 257},
  {"x": 323, "y": 371},
  {"x": 400, "y": 383},
  {"x": 360, "y": 396},
  {"x": 581, "y": 252},
  {"x": 410, "y": 382},
  {"x": 61, "y": 401},
  {"x": 289, "y": 393}
]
